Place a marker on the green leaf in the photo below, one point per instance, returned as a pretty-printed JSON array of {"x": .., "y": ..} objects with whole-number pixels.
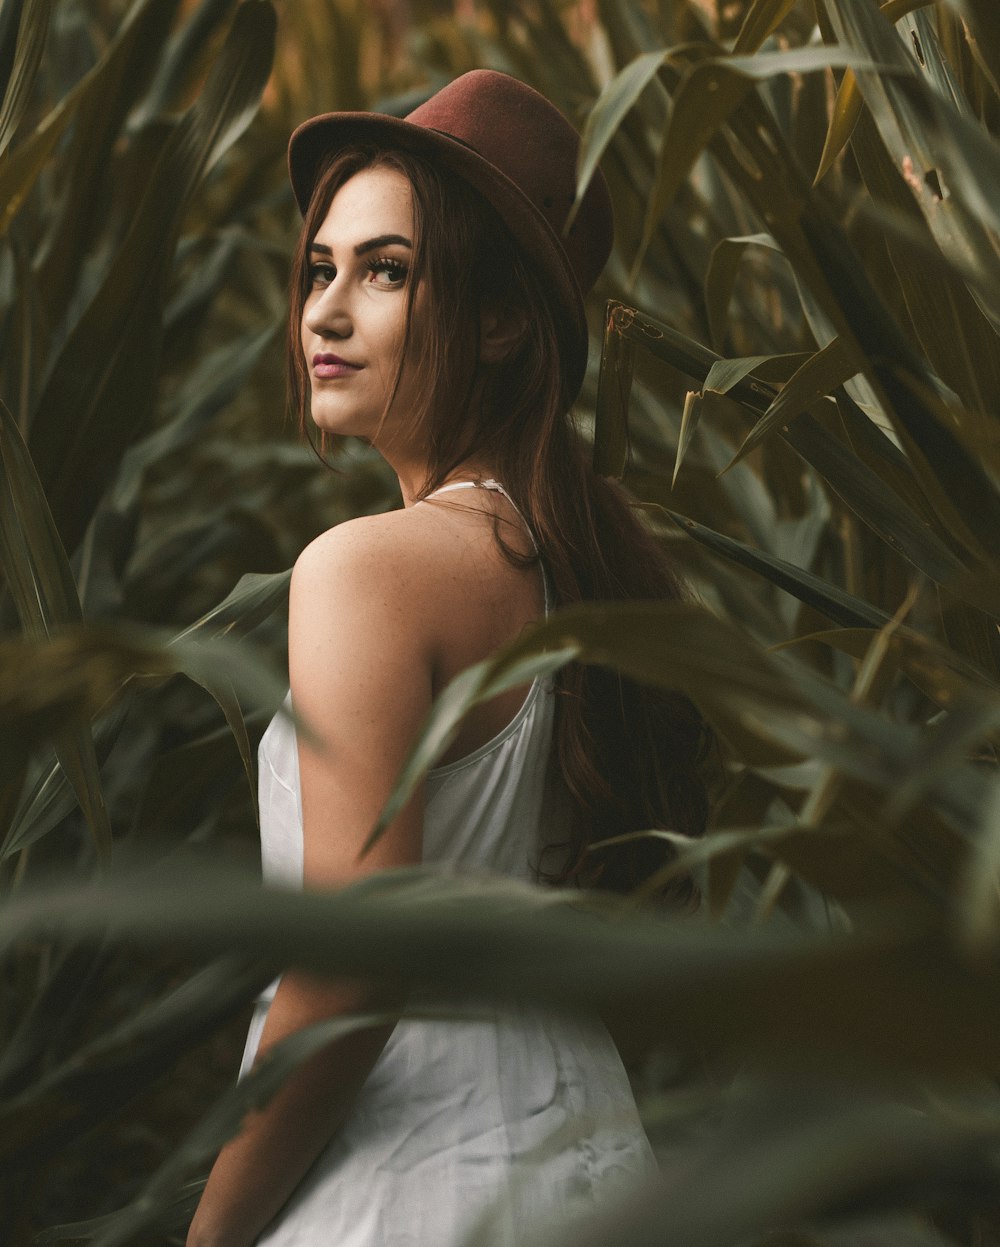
[
  {"x": 110, "y": 355},
  {"x": 106, "y": 1072},
  {"x": 31, "y": 34},
  {"x": 934, "y": 134},
  {"x": 175, "y": 1214},
  {"x": 811, "y": 1151},
  {"x": 231, "y": 95},
  {"x": 728, "y": 374},
  {"x": 183, "y": 58},
  {"x": 761, "y": 20},
  {"x": 960, "y": 343},
  {"x": 983, "y": 35},
  {"x": 977, "y": 911},
  {"x": 225, "y": 697},
  {"x": 690, "y": 416},
  {"x": 821, "y": 373},
  {"x": 876, "y": 483},
  {"x": 51, "y": 797},
  {"x": 251, "y": 601},
  {"x": 10, "y": 20},
  {"x": 891, "y": 996},
  {"x": 710, "y": 90},
  {"x": 34, "y": 560},
  {"x": 81, "y": 671},
  {"x": 938, "y": 671},
  {"x": 607, "y": 114},
  {"x": 961, "y": 493},
  {"x": 973, "y": 634},
  {"x": 101, "y": 102},
  {"x": 835, "y": 603},
  {"x": 872, "y": 492},
  {"x": 20, "y": 168},
  {"x": 720, "y": 278},
  {"x": 44, "y": 592},
  {"x": 844, "y": 117},
  {"x": 474, "y": 685},
  {"x": 210, "y": 388}
]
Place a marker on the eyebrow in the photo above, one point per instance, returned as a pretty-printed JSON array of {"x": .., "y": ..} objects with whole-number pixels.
[{"x": 383, "y": 240}]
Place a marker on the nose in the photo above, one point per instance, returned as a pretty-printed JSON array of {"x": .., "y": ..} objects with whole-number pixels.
[{"x": 327, "y": 314}]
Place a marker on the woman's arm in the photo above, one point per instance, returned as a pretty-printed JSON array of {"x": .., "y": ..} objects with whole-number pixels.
[{"x": 360, "y": 672}]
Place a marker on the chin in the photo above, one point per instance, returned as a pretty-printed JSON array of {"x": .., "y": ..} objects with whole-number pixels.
[{"x": 339, "y": 425}]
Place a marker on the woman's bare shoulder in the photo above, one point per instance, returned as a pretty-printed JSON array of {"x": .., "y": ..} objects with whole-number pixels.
[{"x": 395, "y": 554}]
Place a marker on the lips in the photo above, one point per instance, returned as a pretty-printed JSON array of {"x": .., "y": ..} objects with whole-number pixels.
[{"x": 327, "y": 366}]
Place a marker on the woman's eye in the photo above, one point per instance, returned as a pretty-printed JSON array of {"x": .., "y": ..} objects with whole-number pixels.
[
  {"x": 321, "y": 275},
  {"x": 386, "y": 271}
]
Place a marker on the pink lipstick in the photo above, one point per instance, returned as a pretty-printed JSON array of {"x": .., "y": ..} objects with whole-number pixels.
[{"x": 327, "y": 366}]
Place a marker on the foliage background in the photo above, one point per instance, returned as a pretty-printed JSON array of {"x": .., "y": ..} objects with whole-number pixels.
[{"x": 806, "y": 189}]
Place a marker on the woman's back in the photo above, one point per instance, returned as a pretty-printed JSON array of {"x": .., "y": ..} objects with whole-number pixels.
[{"x": 514, "y": 1115}]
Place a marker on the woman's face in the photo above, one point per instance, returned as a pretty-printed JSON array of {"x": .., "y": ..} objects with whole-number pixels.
[{"x": 354, "y": 318}]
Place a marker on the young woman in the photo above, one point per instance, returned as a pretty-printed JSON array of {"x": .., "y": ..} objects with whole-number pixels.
[{"x": 437, "y": 313}]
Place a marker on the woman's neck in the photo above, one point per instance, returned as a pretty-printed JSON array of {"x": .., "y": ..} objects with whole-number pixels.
[{"x": 414, "y": 479}]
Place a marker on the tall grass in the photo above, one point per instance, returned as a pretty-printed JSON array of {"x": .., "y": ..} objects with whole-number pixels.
[{"x": 798, "y": 381}]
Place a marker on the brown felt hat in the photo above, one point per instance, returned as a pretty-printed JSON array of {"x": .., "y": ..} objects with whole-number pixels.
[{"x": 519, "y": 153}]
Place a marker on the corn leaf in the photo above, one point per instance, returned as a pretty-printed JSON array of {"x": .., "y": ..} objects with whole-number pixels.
[
  {"x": 941, "y": 673},
  {"x": 959, "y": 341},
  {"x": 720, "y": 277},
  {"x": 183, "y": 57},
  {"x": 821, "y": 373},
  {"x": 107, "y": 1072},
  {"x": 607, "y": 114},
  {"x": 251, "y": 601},
  {"x": 939, "y": 458},
  {"x": 761, "y": 20},
  {"x": 16, "y": 94},
  {"x": 78, "y": 445},
  {"x": 936, "y": 135},
  {"x": 983, "y": 36},
  {"x": 977, "y": 911},
  {"x": 889, "y": 998},
  {"x": 846, "y": 111},
  {"x": 45, "y": 594},
  {"x": 710, "y": 90},
  {"x": 802, "y": 1156},
  {"x": 100, "y": 103},
  {"x": 690, "y": 416},
  {"x": 834, "y": 603},
  {"x": 880, "y": 488},
  {"x": 614, "y": 384}
]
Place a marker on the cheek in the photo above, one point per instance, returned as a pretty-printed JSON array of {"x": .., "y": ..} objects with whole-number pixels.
[{"x": 390, "y": 335}]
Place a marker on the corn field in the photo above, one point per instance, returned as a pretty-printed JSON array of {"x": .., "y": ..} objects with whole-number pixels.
[{"x": 795, "y": 370}]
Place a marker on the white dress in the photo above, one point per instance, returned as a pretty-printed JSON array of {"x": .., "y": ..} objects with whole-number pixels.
[{"x": 495, "y": 1126}]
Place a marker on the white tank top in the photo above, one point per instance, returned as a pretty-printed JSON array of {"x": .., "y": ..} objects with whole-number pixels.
[
  {"x": 492, "y": 810},
  {"x": 512, "y": 1113}
]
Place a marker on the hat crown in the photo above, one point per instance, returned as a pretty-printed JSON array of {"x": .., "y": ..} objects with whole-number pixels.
[{"x": 527, "y": 138}]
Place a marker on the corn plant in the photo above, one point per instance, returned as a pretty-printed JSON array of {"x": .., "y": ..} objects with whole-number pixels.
[{"x": 797, "y": 381}]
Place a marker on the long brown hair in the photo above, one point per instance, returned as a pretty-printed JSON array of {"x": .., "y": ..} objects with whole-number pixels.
[{"x": 630, "y": 756}]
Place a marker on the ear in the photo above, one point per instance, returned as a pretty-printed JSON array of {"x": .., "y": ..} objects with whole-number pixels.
[{"x": 500, "y": 331}]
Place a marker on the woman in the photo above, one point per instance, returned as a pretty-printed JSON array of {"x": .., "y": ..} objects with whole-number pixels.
[{"x": 437, "y": 313}]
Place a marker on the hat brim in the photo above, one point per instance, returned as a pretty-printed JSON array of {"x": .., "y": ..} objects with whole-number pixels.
[{"x": 315, "y": 141}]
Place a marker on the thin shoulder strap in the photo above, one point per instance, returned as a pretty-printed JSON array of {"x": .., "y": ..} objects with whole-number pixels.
[{"x": 499, "y": 489}]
